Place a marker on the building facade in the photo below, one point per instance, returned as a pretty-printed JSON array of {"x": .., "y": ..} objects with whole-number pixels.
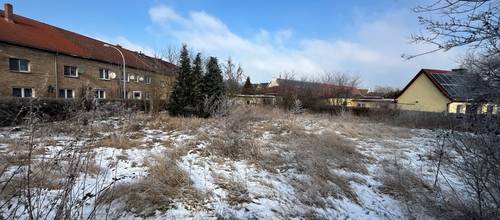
[{"x": 39, "y": 60}]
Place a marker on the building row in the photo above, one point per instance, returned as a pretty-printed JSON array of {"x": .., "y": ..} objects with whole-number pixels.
[{"x": 40, "y": 60}]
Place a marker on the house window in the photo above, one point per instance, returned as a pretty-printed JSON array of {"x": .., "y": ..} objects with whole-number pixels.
[
  {"x": 489, "y": 109},
  {"x": 460, "y": 109},
  {"x": 22, "y": 92},
  {"x": 147, "y": 95},
  {"x": 19, "y": 65},
  {"x": 104, "y": 74},
  {"x": 100, "y": 94},
  {"x": 147, "y": 79},
  {"x": 71, "y": 71},
  {"x": 126, "y": 77},
  {"x": 136, "y": 94},
  {"x": 66, "y": 93}
]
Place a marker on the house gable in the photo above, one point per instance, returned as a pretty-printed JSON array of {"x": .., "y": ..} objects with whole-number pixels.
[{"x": 421, "y": 94}]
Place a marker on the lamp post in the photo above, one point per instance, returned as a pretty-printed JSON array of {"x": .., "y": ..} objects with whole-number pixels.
[{"x": 124, "y": 80}]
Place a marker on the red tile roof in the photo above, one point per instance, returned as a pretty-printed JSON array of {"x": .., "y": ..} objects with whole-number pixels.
[{"x": 30, "y": 33}]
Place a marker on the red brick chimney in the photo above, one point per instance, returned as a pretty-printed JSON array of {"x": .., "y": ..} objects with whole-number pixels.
[{"x": 8, "y": 13}]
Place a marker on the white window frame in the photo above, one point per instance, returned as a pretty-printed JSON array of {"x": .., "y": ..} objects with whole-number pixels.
[
  {"x": 66, "y": 93},
  {"x": 98, "y": 94},
  {"x": 136, "y": 92},
  {"x": 105, "y": 72},
  {"x": 19, "y": 65},
  {"x": 76, "y": 71},
  {"x": 23, "y": 93},
  {"x": 148, "y": 79}
]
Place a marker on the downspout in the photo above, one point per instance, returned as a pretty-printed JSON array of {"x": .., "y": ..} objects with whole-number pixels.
[{"x": 57, "y": 77}]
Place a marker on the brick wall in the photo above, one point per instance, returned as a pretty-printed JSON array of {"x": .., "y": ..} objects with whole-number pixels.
[{"x": 42, "y": 75}]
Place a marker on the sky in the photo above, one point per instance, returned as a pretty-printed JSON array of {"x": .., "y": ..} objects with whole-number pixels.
[{"x": 365, "y": 38}]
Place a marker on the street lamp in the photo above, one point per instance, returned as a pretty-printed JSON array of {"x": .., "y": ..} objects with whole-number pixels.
[{"x": 124, "y": 80}]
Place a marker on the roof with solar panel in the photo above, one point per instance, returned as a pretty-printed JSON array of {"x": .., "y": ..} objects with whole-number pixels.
[{"x": 457, "y": 84}]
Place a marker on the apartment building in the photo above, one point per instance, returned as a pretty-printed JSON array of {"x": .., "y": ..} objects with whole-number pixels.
[{"x": 40, "y": 60}]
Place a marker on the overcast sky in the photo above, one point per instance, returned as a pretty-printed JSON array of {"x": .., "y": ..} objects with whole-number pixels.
[{"x": 363, "y": 37}]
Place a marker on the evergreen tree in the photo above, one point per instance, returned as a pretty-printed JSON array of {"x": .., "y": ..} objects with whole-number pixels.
[
  {"x": 180, "y": 97},
  {"x": 248, "y": 88},
  {"x": 213, "y": 87},
  {"x": 196, "y": 82}
]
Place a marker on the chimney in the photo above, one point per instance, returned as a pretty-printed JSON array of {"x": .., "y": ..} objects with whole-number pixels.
[{"x": 8, "y": 13}]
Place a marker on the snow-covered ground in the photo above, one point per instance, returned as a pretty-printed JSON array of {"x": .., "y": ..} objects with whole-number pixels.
[{"x": 232, "y": 188}]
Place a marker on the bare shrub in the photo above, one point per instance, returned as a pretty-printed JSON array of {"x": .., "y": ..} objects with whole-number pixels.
[{"x": 475, "y": 159}]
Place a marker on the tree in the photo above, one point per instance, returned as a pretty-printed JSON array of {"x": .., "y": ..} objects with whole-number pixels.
[
  {"x": 385, "y": 91},
  {"x": 248, "y": 88},
  {"x": 233, "y": 78},
  {"x": 197, "y": 84},
  {"x": 457, "y": 23},
  {"x": 213, "y": 88},
  {"x": 180, "y": 98}
]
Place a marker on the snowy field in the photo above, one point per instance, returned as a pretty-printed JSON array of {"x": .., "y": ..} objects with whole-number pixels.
[{"x": 250, "y": 165}]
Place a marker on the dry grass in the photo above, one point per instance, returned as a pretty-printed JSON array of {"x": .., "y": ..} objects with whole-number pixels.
[
  {"x": 372, "y": 130},
  {"x": 119, "y": 141},
  {"x": 237, "y": 191},
  {"x": 164, "y": 183},
  {"x": 402, "y": 183},
  {"x": 317, "y": 156},
  {"x": 168, "y": 123}
]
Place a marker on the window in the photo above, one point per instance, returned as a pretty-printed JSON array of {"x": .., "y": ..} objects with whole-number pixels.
[
  {"x": 100, "y": 94},
  {"x": 126, "y": 77},
  {"x": 489, "y": 109},
  {"x": 22, "y": 92},
  {"x": 66, "y": 93},
  {"x": 147, "y": 95},
  {"x": 136, "y": 94},
  {"x": 19, "y": 65},
  {"x": 104, "y": 74},
  {"x": 147, "y": 79},
  {"x": 460, "y": 109},
  {"x": 71, "y": 71}
]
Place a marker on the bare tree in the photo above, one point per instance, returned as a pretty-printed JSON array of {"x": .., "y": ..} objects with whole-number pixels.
[
  {"x": 457, "y": 23},
  {"x": 487, "y": 66},
  {"x": 171, "y": 54},
  {"x": 233, "y": 78},
  {"x": 385, "y": 91}
]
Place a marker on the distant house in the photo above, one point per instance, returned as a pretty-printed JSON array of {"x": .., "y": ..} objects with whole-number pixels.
[
  {"x": 321, "y": 90},
  {"x": 453, "y": 91}
]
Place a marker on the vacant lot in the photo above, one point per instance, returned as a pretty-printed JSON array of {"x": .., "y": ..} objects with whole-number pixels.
[{"x": 255, "y": 163}]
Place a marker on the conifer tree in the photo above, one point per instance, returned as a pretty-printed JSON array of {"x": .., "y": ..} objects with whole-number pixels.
[
  {"x": 248, "y": 88},
  {"x": 213, "y": 87},
  {"x": 180, "y": 97},
  {"x": 196, "y": 82}
]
